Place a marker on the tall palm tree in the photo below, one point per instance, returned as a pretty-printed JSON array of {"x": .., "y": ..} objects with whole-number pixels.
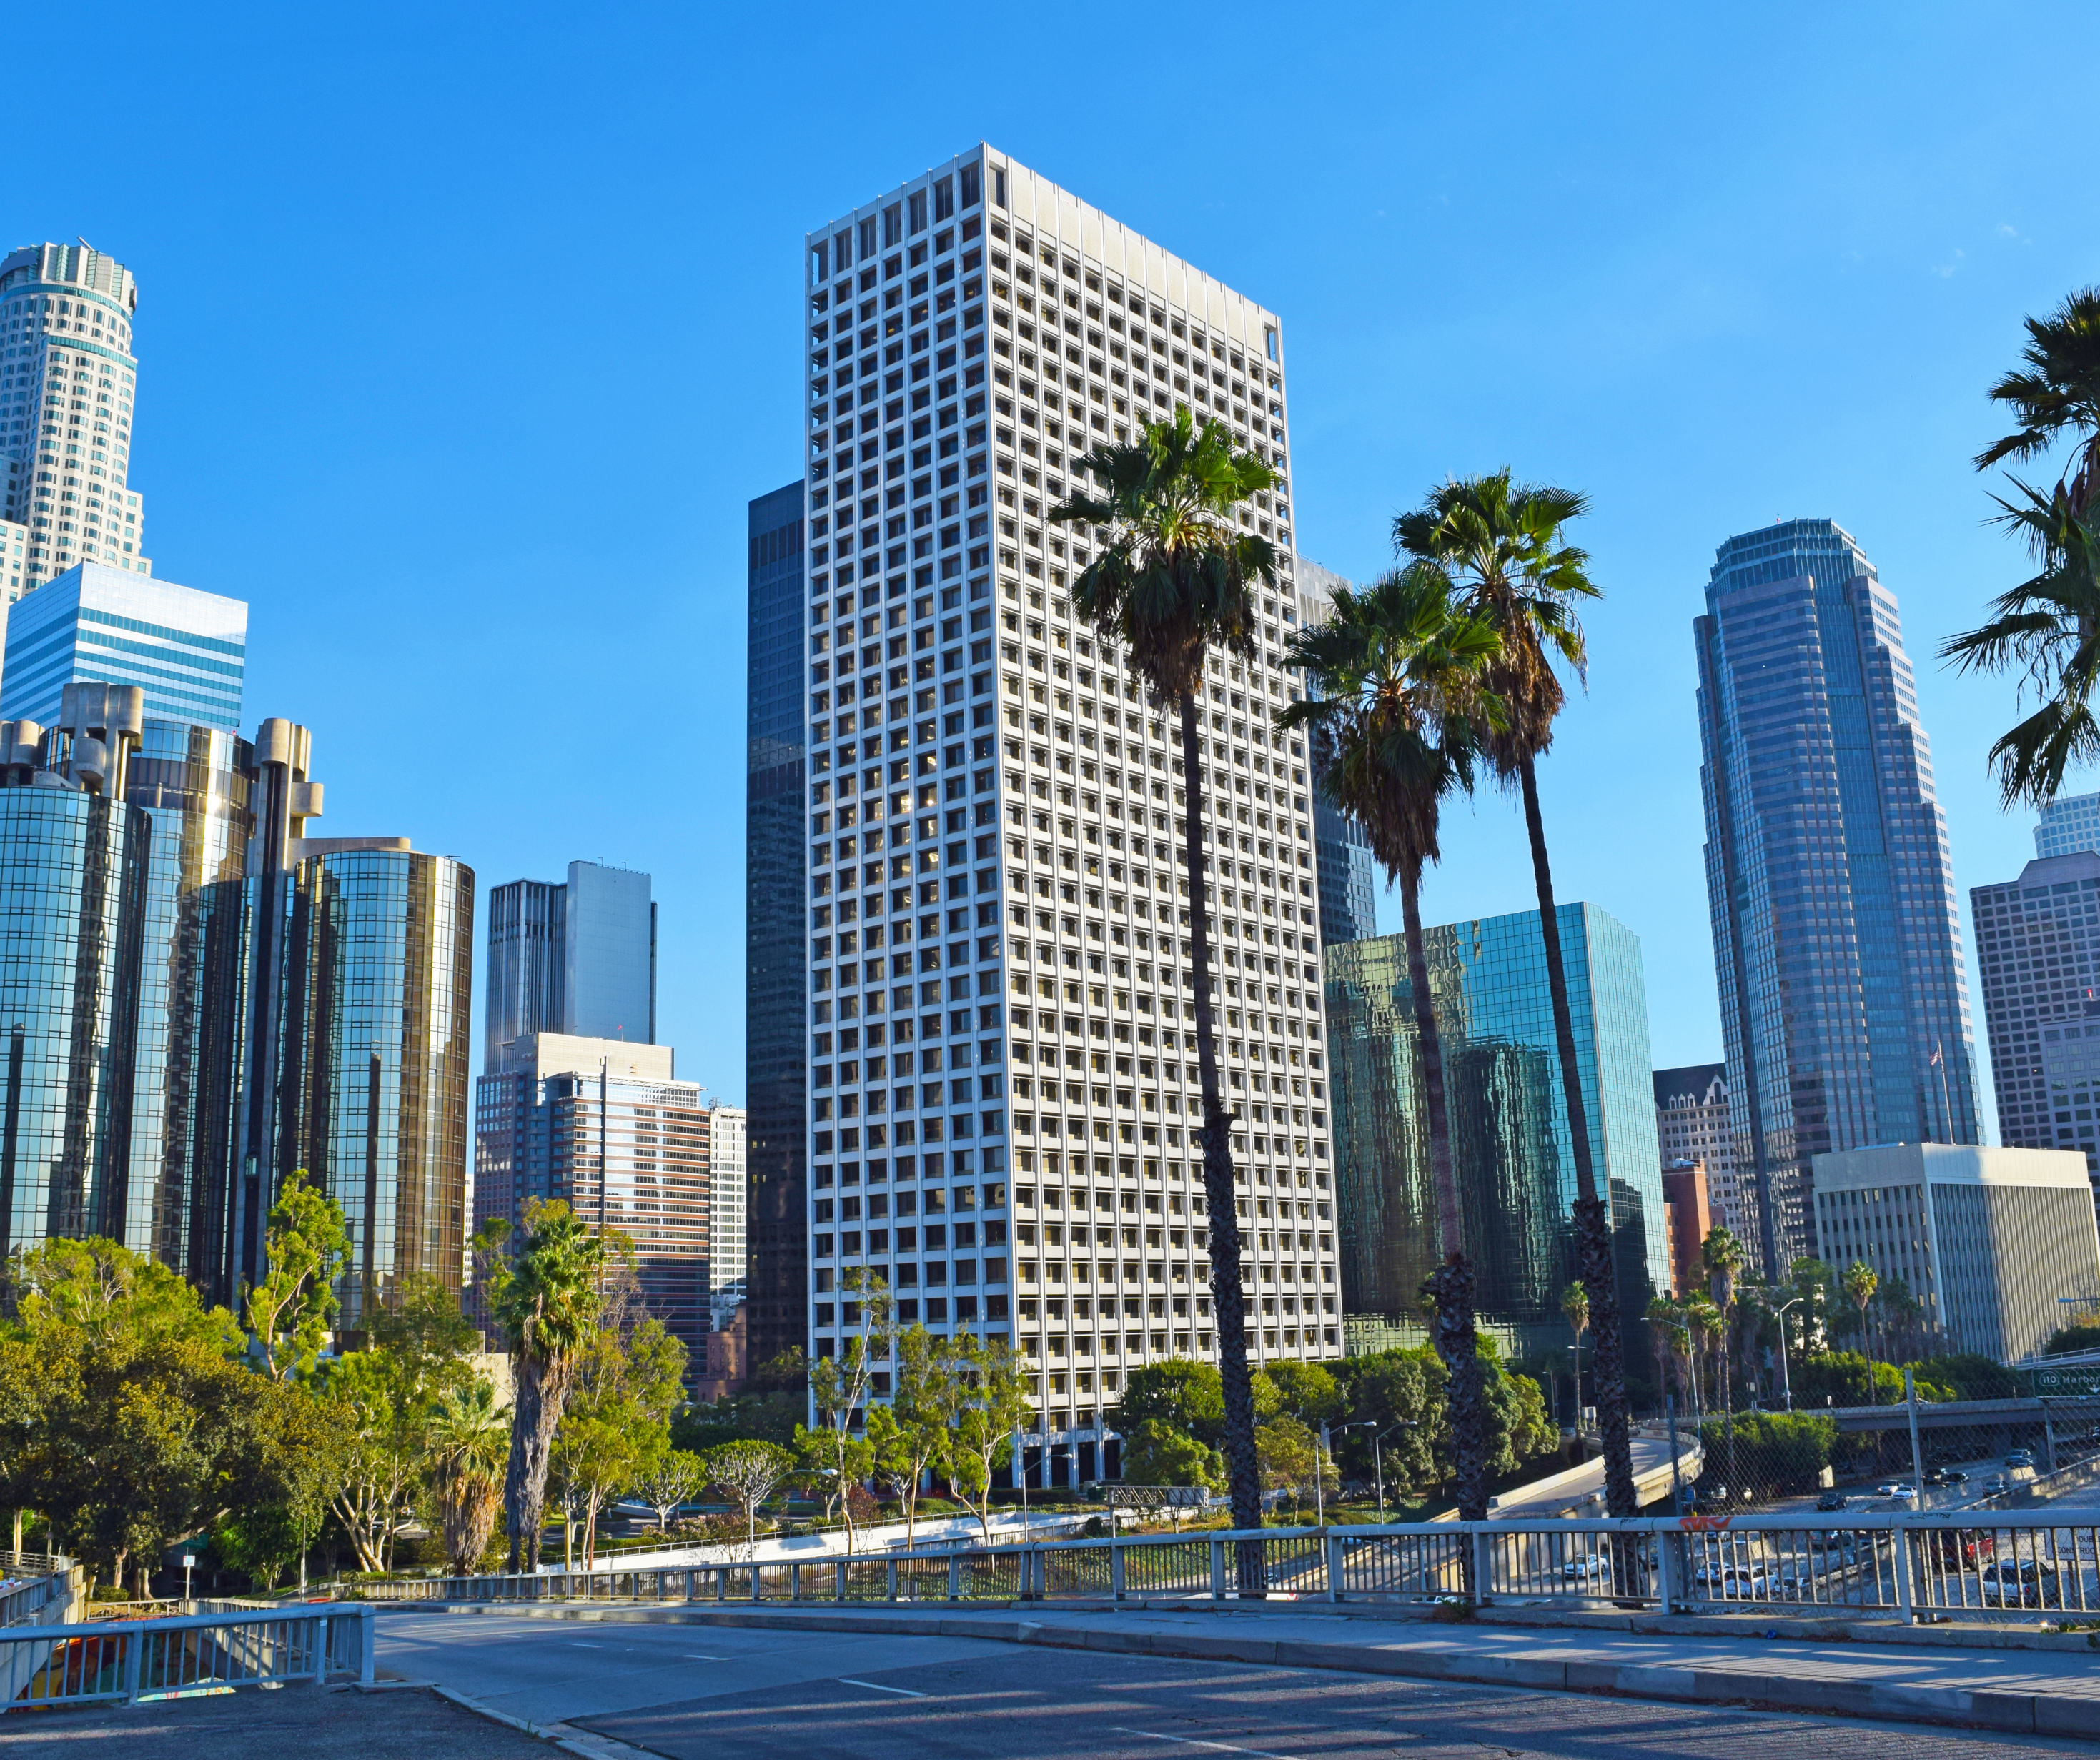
[
  {"x": 547, "y": 1301},
  {"x": 1501, "y": 543},
  {"x": 1396, "y": 675},
  {"x": 1860, "y": 1283},
  {"x": 1173, "y": 578},
  {"x": 1722, "y": 1255},
  {"x": 2048, "y": 627},
  {"x": 1575, "y": 1309},
  {"x": 1706, "y": 1325}
]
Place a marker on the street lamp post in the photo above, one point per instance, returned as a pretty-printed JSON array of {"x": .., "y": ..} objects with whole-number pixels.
[
  {"x": 1377, "y": 1449},
  {"x": 1785, "y": 1380}
]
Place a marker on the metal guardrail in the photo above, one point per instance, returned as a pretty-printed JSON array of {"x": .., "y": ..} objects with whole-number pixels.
[
  {"x": 30, "y": 1564},
  {"x": 1871, "y": 1567},
  {"x": 129, "y": 1661},
  {"x": 29, "y": 1599}
]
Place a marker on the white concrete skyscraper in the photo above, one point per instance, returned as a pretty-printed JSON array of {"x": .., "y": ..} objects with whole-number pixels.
[
  {"x": 68, "y": 378},
  {"x": 1002, "y": 1089}
]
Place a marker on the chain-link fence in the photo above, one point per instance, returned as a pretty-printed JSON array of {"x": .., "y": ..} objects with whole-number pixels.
[{"x": 1912, "y": 1454}]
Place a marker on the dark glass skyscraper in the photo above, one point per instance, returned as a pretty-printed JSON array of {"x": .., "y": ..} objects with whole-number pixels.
[
  {"x": 1508, "y": 1115},
  {"x": 1835, "y": 941},
  {"x": 776, "y": 1018}
]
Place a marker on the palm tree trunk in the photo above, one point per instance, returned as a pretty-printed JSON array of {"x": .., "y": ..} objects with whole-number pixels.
[
  {"x": 1593, "y": 1222},
  {"x": 1452, "y": 1285},
  {"x": 1227, "y": 1295},
  {"x": 542, "y": 1388}
]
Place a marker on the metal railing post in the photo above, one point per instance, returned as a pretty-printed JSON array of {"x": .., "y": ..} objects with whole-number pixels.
[
  {"x": 135, "y": 1648},
  {"x": 1117, "y": 1569},
  {"x": 1900, "y": 1535},
  {"x": 794, "y": 1583},
  {"x": 321, "y": 1650},
  {"x": 1483, "y": 1545},
  {"x": 721, "y": 1582},
  {"x": 1217, "y": 1570},
  {"x": 755, "y": 1595},
  {"x": 955, "y": 1576},
  {"x": 840, "y": 1586},
  {"x": 368, "y": 1655},
  {"x": 1333, "y": 1549},
  {"x": 891, "y": 1574},
  {"x": 1670, "y": 1562}
]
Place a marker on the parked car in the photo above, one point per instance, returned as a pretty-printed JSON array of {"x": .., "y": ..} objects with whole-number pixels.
[
  {"x": 2033, "y": 1583},
  {"x": 1831, "y": 1500},
  {"x": 1588, "y": 1566},
  {"x": 1901, "y": 1491}
]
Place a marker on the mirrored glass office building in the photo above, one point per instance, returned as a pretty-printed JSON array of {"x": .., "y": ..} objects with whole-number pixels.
[
  {"x": 1837, "y": 943},
  {"x": 1507, "y": 1110}
]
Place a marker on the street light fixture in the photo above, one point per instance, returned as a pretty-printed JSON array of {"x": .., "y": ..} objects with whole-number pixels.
[{"x": 1378, "y": 1451}]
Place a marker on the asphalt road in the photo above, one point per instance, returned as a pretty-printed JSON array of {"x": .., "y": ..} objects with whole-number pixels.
[{"x": 723, "y": 1693}]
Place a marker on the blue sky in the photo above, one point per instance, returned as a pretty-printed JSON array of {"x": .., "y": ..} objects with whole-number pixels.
[{"x": 466, "y": 331}]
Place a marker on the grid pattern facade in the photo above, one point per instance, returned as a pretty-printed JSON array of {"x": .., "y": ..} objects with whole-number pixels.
[
  {"x": 998, "y": 991},
  {"x": 1507, "y": 1109},
  {"x": 625, "y": 1154},
  {"x": 68, "y": 378},
  {"x": 188, "y": 650},
  {"x": 775, "y": 1266},
  {"x": 728, "y": 1167},
  {"x": 1347, "y": 872},
  {"x": 2067, "y": 825},
  {"x": 2038, "y": 948},
  {"x": 1837, "y": 943},
  {"x": 1989, "y": 1241}
]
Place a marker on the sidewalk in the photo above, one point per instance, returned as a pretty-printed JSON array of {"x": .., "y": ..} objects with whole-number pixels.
[{"x": 2051, "y": 1691}]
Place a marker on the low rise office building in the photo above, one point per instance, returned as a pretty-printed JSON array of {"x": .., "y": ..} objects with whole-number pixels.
[{"x": 1990, "y": 1242}]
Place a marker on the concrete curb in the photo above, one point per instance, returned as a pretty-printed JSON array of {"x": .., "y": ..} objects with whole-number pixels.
[
  {"x": 581, "y": 1743},
  {"x": 2019, "y": 1713}
]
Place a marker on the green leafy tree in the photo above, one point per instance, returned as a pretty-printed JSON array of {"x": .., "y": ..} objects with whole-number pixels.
[
  {"x": 292, "y": 1311},
  {"x": 2047, "y": 629},
  {"x": 1306, "y": 1391},
  {"x": 983, "y": 1398},
  {"x": 672, "y": 1479},
  {"x": 1156, "y": 1454},
  {"x": 547, "y": 1301},
  {"x": 301, "y": 1448},
  {"x": 1290, "y": 1459},
  {"x": 748, "y": 1473},
  {"x": 839, "y": 1385},
  {"x": 909, "y": 1437},
  {"x": 1175, "y": 579},
  {"x": 1502, "y": 543},
  {"x": 104, "y": 1295},
  {"x": 626, "y": 1379},
  {"x": 1401, "y": 1391},
  {"x": 1400, "y": 708},
  {"x": 469, "y": 1442}
]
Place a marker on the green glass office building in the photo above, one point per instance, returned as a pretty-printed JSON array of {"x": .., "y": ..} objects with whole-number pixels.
[{"x": 1508, "y": 1115}]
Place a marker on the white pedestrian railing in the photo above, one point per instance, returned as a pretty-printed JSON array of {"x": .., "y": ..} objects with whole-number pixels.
[
  {"x": 128, "y": 1660},
  {"x": 46, "y": 1596},
  {"x": 2026, "y": 1566}
]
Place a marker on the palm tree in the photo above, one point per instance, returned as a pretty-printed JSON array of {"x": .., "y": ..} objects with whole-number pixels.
[
  {"x": 1722, "y": 1255},
  {"x": 1397, "y": 693},
  {"x": 1174, "y": 577},
  {"x": 547, "y": 1302},
  {"x": 1665, "y": 1331},
  {"x": 1860, "y": 1283},
  {"x": 2058, "y": 393},
  {"x": 1575, "y": 1308},
  {"x": 1706, "y": 1325},
  {"x": 469, "y": 1437},
  {"x": 2047, "y": 627},
  {"x": 1500, "y": 541}
]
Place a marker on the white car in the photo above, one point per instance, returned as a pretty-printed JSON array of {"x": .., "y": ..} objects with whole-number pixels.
[
  {"x": 1903, "y": 1493},
  {"x": 1589, "y": 1565}
]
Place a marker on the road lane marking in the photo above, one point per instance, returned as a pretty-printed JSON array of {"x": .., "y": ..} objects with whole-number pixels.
[
  {"x": 1192, "y": 1741},
  {"x": 873, "y": 1687},
  {"x": 701, "y": 1655}
]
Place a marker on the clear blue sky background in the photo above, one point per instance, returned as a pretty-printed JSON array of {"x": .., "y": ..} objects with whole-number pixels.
[{"x": 466, "y": 331}]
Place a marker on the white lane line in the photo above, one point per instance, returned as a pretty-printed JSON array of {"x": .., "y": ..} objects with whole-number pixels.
[
  {"x": 872, "y": 1686},
  {"x": 577, "y": 1643},
  {"x": 701, "y": 1655},
  {"x": 1191, "y": 1741}
]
